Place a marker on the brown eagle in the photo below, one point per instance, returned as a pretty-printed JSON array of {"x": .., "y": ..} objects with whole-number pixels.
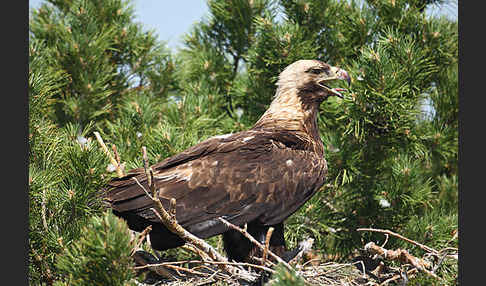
[{"x": 257, "y": 177}]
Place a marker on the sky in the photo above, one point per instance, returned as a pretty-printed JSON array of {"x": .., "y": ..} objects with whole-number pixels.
[{"x": 172, "y": 18}]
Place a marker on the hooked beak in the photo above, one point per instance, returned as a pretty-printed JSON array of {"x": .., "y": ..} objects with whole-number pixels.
[{"x": 337, "y": 73}]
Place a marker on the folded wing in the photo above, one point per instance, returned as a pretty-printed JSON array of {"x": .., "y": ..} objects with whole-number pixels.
[{"x": 241, "y": 177}]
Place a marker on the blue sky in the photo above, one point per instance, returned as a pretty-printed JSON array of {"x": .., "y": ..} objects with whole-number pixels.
[{"x": 171, "y": 19}]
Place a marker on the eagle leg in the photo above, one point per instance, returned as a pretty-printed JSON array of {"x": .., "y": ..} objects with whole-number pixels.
[{"x": 240, "y": 249}]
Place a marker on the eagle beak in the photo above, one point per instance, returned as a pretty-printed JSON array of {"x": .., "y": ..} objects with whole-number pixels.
[{"x": 337, "y": 73}]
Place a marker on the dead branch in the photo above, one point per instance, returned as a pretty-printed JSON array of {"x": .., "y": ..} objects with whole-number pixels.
[
  {"x": 141, "y": 186},
  {"x": 119, "y": 171},
  {"x": 244, "y": 264},
  {"x": 141, "y": 237},
  {"x": 402, "y": 256},
  {"x": 424, "y": 247},
  {"x": 149, "y": 173},
  {"x": 267, "y": 245},
  {"x": 254, "y": 241},
  {"x": 196, "y": 251},
  {"x": 172, "y": 208},
  {"x": 176, "y": 228},
  {"x": 117, "y": 157}
]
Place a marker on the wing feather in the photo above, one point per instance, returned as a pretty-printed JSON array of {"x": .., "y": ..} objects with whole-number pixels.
[{"x": 232, "y": 177}]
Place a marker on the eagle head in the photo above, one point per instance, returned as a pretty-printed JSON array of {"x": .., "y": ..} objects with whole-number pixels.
[{"x": 311, "y": 78}]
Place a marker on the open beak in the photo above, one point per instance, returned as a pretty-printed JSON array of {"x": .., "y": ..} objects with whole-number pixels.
[{"x": 337, "y": 73}]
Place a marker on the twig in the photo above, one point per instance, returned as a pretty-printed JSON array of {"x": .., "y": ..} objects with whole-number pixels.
[
  {"x": 267, "y": 245},
  {"x": 439, "y": 263},
  {"x": 43, "y": 210},
  {"x": 145, "y": 164},
  {"x": 424, "y": 247},
  {"x": 196, "y": 251},
  {"x": 254, "y": 241},
  {"x": 119, "y": 171},
  {"x": 398, "y": 276},
  {"x": 141, "y": 186},
  {"x": 176, "y": 228},
  {"x": 401, "y": 255},
  {"x": 117, "y": 157},
  {"x": 149, "y": 173},
  {"x": 141, "y": 238},
  {"x": 172, "y": 208},
  {"x": 209, "y": 262},
  {"x": 386, "y": 240}
]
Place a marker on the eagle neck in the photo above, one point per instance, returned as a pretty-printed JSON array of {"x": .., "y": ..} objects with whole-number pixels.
[{"x": 289, "y": 113}]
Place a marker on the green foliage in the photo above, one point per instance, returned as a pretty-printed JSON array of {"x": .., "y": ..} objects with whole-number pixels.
[
  {"x": 391, "y": 144},
  {"x": 104, "y": 53},
  {"x": 101, "y": 256},
  {"x": 285, "y": 277}
]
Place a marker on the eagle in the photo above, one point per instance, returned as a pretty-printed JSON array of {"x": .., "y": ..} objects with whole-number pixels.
[{"x": 258, "y": 177}]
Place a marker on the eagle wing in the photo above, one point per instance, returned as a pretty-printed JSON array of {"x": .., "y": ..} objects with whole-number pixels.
[{"x": 240, "y": 177}]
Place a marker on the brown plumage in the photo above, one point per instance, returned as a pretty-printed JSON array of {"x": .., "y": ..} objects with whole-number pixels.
[{"x": 260, "y": 176}]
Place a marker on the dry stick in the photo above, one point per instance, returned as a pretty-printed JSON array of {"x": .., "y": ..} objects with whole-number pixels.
[
  {"x": 267, "y": 244},
  {"x": 439, "y": 263},
  {"x": 310, "y": 261},
  {"x": 119, "y": 171},
  {"x": 252, "y": 239},
  {"x": 386, "y": 240},
  {"x": 149, "y": 173},
  {"x": 424, "y": 247},
  {"x": 141, "y": 238},
  {"x": 402, "y": 256},
  {"x": 398, "y": 276},
  {"x": 172, "y": 208},
  {"x": 196, "y": 251},
  {"x": 176, "y": 228},
  {"x": 212, "y": 276},
  {"x": 117, "y": 157},
  {"x": 208, "y": 262},
  {"x": 141, "y": 186},
  {"x": 43, "y": 210}
]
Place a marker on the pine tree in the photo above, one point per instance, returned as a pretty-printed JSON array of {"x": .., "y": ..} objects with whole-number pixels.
[
  {"x": 391, "y": 143},
  {"x": 105, "y": 54}
]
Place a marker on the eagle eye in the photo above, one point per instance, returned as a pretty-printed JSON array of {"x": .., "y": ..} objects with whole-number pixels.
[{"x": 316, "y": 70}]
